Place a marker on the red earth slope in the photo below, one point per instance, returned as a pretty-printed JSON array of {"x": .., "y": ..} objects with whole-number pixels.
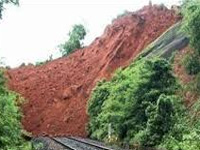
[{"x": 57, "y": 92}]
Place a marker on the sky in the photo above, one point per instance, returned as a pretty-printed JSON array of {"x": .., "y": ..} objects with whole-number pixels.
[{"x": 32, "y": 32}]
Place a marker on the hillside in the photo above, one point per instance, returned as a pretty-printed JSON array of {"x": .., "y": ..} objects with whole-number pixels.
[{"x": 57, "y": 92}]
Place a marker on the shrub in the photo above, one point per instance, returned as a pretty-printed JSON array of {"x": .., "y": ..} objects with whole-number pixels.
[
  {"x": 185, "y": 133},
  {"x": 159, "y": 121},
  {"x": 124, "y": 101},
  {"x": 100, "y": 94},
  {"x": 192, "y": 64},
  {"x": 10, "y": 116}
]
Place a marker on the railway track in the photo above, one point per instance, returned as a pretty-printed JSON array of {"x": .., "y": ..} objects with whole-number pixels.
[{"x": 72, "y": 143}]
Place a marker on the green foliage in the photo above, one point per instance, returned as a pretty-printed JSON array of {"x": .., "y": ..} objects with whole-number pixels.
[
  {"x": 140, "y": 105},
  {"x": 131, "y": 102},
  {"x": 185, "y": 133},
  {"x": 191, "y": 23},
  {"x": 192, "y": 64},
  {"x": 159, "y": 121},
  {"x": 10, "y": 116},
  {"x": 75, "y": 40},
  {"x": 95, "y": 104},
  {"x": 3, "y": 2}
]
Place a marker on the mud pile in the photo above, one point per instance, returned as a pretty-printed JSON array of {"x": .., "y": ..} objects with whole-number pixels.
[{"x": 57, "y": 92}]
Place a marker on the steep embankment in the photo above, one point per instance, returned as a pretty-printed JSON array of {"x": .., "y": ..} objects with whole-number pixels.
[{"x": 57, "y": 92}]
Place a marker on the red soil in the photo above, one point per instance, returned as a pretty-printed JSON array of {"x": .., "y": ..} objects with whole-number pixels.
[{"x": 57, "y": 92}]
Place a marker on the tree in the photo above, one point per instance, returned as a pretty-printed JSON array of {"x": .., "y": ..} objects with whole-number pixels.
[
  {"x": 75, "y": 40},
  {"x": 3, "y": 2}
]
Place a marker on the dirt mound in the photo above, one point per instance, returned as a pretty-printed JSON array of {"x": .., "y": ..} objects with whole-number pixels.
[{"x": 57, "y": 92}]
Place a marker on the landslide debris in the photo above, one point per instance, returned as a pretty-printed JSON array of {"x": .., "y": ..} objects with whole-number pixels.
[{"x": 57, "y": 92}]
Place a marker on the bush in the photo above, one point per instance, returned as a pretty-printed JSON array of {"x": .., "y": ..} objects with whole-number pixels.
[
  {"x": 75, "y": 37},
  {"x": 140, "y": 106},
  {"x": 185, "y": 133},
  {"x": 100, "y": 94},
  {"x": 124, "y": 101},
  {"x": 192, "y": 64},
  {"x": 10, "y": 116},
  {"x": 159, "y": 121}
]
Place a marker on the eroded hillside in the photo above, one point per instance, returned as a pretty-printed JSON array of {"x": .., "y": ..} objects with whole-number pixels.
[{"x": 57, "y": 92}]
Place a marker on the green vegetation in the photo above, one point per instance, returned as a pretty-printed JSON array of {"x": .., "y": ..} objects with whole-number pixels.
[
  {"x": 75, "y": 40},
  {"x": 10, "y": 115},
  {"x": 185, "y": 133},
  {"x": 137, "y": 103},
  {"x": 3, "y": 2},
  {"x": 143, "y": 108},
  {"x": 192, "y": 64},
  {"x": 191, "y": 24},
  {"x": 159, "y": 121}
]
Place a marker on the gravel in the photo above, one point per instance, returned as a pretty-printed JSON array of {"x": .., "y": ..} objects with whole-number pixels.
[
  {"x": 77, "y": 145},
  {"x": 97, "y": 143},
  {"x": 45, "y": 143}
]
